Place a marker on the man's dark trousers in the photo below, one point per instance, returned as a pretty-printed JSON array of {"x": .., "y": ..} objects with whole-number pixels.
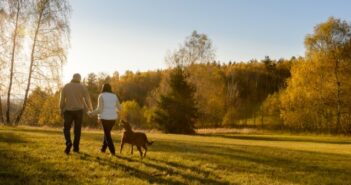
[{"x": 75, "y": 116}]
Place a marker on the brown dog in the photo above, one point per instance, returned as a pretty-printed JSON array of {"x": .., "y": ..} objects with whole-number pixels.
[{"x": 138, "y": 139}]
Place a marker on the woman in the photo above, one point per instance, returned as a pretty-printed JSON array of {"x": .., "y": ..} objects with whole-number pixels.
[{"x": 108, "y": 104}]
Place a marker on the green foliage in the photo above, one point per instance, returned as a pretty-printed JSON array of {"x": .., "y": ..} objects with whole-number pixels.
[
  {"x": 231, "y": 118},
  {"x": 50, "y": 116},
  {"x": 132, "y": 112},
  {"x": 148, "y": 114},
  {"x": 270, "y": 111},
  {"x": 136, "y": 86},
  {"x": 41, "y": 109},
  {"x": 93, "y": 84},
  {"x": 35, "y": 106},
  {"x": 222, "y": 91},
  {"x": 177, "y": 110},
  {"x": 209, "y": 80},
  {"x": 249, "y": 84}
]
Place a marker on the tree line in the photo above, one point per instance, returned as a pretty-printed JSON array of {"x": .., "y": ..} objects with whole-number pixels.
[
  {"x": 220, "y": 95},
  {"x": 309, "y": 93}
]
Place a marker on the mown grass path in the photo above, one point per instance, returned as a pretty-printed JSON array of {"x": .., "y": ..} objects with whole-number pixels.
[{"x": 35, "y": 156}]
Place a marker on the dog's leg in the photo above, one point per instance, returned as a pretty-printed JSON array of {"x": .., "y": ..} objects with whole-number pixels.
[
  {"x": 141, "y": 152},
  {"x": 145, "y": 150}
]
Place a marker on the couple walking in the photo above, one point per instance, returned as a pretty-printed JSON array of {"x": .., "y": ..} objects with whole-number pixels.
[{"x": 75, "y": 99}]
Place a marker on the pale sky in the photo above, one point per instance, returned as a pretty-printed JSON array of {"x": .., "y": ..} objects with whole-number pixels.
[{"x": 120, "y": 35}]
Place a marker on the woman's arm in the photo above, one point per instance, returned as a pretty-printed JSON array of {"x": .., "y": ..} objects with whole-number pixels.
[
  {"x": 118, "y": 104},
  {"x": 99, "y": 107}
]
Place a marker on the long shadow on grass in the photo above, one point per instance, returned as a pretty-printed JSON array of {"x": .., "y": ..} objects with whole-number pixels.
[
  {"x": 279, "y": 163},
  {"x": 179, "y": 171},
  {"x": 37, "y": 130},
  {"x": 11, "y": 138},
  {"x": 152, "y": 177},
  {"x": 193, "y": 169},
  {"x": 21, "y": 168},
  {"x": 282, "y": 138}
]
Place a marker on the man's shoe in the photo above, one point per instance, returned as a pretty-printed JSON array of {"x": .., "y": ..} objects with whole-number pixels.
[
  {"x": 68, "y": 148},
  {"x": 76, "y": 150}
]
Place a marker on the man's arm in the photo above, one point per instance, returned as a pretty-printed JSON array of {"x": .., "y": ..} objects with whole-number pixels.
[{"x": 98, "y": 109}]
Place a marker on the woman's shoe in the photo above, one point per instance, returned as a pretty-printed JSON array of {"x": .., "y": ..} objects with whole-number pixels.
[{"x": 68, "y": 148}]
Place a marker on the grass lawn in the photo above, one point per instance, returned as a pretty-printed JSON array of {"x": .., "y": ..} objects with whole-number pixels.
[{"x": 35, "y": 156}]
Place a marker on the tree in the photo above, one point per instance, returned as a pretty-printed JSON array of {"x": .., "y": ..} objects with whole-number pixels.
[
  {"x": 304, "y": 102},
  {"x": 209, "y": 81},
  {"x": 332, "y": 42},
  {"x": 50, "y": 116},
  {"x": 1, "y": 112},
  {"x": 40, "y": 26},
  {"x": 270, "y": 108},
  {"x": 92, "y": 84},
  {"x": 36, "y": 104},
  {"x": 132, "y": 113},
  {"x": 197, "y": 48},
  {"x": 193, "y": 56},
  {"x": 12, "y": 33},
  {"x": 247, "y": 85},
  {"x": 50, "y": 38},
  {"x": 176, "y": 111},
  {"x": 317, "y": 96},
  {"x": 231, "y": 117},
  {"x": 136, "y": 86},
  {"x": 2, "y": 59}
]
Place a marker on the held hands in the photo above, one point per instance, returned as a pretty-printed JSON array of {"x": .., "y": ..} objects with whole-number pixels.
[{"x": 90, "y": 113}]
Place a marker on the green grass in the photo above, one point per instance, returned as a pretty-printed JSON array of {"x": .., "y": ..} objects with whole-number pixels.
[{"x": 35, "y": 156}]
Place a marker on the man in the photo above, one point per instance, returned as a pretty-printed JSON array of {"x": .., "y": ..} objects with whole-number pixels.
[{"x": 73, "y": 100}]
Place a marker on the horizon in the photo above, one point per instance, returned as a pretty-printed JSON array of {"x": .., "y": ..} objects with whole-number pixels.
[{"x": 136, "y": 35}]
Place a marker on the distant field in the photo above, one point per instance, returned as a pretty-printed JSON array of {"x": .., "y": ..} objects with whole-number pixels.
[{"x": 35, "y": 156}]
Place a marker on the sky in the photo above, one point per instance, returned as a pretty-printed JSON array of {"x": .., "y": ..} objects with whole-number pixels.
[{"x": 120, "y": 35}]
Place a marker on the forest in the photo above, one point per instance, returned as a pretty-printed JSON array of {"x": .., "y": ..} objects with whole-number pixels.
[{"x": 308, "y": 93}]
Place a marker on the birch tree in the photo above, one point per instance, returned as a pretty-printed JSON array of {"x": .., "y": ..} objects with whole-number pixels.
[
  {"x": 12, "y": 34},
  {"x": 50, "y": 38},
  {"x": 2, "y": 62}
]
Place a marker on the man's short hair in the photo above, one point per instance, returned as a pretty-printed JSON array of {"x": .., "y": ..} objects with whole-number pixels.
[{"x": 77, "y": 77}]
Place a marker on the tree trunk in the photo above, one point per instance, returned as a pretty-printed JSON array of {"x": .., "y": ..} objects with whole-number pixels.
[
  {"x": 254, "y": 119},
  {"x": 32, "y": 60},
  {"x": 14, "y": 40},
  {"x": 1, "y": 114},
  {"x": 338, "y": 98}
]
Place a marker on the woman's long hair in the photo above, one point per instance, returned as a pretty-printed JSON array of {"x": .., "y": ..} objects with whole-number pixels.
[{"x": 106, "y": 88}]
